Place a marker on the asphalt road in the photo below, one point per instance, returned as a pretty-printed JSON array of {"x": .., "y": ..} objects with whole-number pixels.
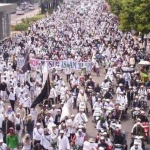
[
  {"x": 28, "y": 13},
  {"x": 127, "y": 122}
]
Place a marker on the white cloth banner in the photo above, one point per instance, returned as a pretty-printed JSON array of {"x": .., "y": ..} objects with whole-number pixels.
[
  {"x": 65, "y": 112},
  {"x": 62, "y": 64}
]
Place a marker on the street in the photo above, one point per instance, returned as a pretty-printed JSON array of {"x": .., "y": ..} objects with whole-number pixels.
[
  {"x": 127, "y": 123},
  {"x": 28, "y": 13}
]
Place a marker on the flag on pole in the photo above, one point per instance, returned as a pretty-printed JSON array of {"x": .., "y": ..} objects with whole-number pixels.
[
  {"x": 44, "y": 93},
  {"x": 26, "y": 65}
]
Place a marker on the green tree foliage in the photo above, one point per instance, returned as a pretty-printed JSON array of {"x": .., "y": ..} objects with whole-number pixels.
[
  {"x": 116, "y": 6},
  {"x": 133, "y": 14}
]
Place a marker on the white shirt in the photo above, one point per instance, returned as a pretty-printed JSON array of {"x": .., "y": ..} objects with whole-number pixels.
[
  {"x": 46, "y": 141},
  {"x": 68, "y": 70},
  {"x": 53, "y": 113},
  {"x": 1, "y": 119},
  {"x": 12, "y": 96},
  {"x": 63, "y": 143},
  {"x": 27, "y": 102},
  {"x": 3, "y": 146},
  {"x": 54, "y": 134},
  {"x": 97, "y": 105},
  {"x": 37, "y": 133},
  {"x": 19, "y": 121},
  {"x": 26, "y": 146},
  {"x": 122, "y": 99},
  {"x": 79, "y": 139},
  {"x": 71, "y": 125},
  {"x": 81, "y": 118},
  {"x": 21, "y": 98},
  {"x": 98, "y": 126},
  {"x": 2, "y": 106},
  {"x": 52, "y": 93},
  {"x": 133, "y": 148}
]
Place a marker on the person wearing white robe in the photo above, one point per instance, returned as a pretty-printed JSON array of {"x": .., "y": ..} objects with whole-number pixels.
[
  {"x": 122, "y": 99},
  {"x": 1, "y": 119},
  {"x": 63, "y": 142},
  {"x": 108, "y": 103},
  {"x": 46, "y": 140},
  {"x": 53, "y": 111},
  {"x": 20, "y": 97},
  {"x": 98, "y": 104},
  {"x": 3, "y": 146},
  {"x": 37, "y": 90},
  {"x": 118, "y": 90},
  {"x": 81, "y": 117},
  {"x": 71, "y": 126},
  {"x": 34, "y": 114},
  {"x": 68, "y": 72},
  {"x": 27, "y": 103},
  {"x": 52, "y": 95},
  {"x": 2, "y": 106},
  {"x": 70, "y": 103},
  {"x": 19, "y": 121},
  {"x": 49, "y": 121},
  {"x": 54, "y": 132}
]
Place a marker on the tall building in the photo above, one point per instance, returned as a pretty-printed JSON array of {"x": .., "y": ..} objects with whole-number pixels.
[{"x": 5, "y": 19}]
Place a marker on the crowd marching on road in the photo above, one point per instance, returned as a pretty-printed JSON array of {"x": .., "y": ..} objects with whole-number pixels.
[{"x": 81, "y": 31}]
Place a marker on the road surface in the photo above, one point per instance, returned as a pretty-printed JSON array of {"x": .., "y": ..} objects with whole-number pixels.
[
  {"x": 28, "y": 13},
  {"x": 127, "y": 123}
]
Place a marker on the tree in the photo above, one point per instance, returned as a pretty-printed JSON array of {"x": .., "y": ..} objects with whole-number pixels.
[
  {"x": 115, "y": 6},
  {"x": 133, "y": 14}
]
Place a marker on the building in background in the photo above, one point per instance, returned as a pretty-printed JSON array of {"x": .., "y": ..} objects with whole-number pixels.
[{"x": 5, "y": 19}]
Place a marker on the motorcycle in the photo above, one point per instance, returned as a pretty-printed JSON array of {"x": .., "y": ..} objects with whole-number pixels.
[
  {"x": 136, "y": 113},
  {"x": 113, "y": 125},
  {"x": 138, "y": 139},
  {"x": 119, "y": 147},
  {"x": 121, "y": 108},
  {"x": 76, "y": 147},
  {"x": 146, "y": 131},
  {"x": 143, "y": 101},
  {"x": 97, "y": 114},
  {"x": 82, "y": 105}
]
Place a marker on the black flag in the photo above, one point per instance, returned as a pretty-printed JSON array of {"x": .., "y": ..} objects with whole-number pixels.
[
  {"x": 44, "y": 93},
  {"x": 26, "y": 65}
]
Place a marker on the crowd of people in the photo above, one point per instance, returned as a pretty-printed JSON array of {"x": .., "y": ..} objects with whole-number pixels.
[{"x": 84, "y": 31}]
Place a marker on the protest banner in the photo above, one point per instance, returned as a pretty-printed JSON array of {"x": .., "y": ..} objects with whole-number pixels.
[
  {"x": 62, "y": 64},
  {"x": 36, "y": 64}
]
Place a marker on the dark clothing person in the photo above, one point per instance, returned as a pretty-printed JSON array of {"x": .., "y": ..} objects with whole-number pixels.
[
  {"x": 138, "y": 131},
  {"x": 6, "y": 124},
  {"x": 119, "y": 139},
  {"x": 144, "y": 119},
  {"x": 5, "y": 55},
  {"x": 38, "y": 147},
  {"x": 108, "y": 95},
  {"x": 91, "y": 83},
  {"x": 130, "y": 97},
  {"x": 121, "y": 81},
  {"x": 97, "y": 89},
  {"x": 136, "y": 104},
  {"x": 29, "y": 127},
  {"x": 57, "y": 119}
]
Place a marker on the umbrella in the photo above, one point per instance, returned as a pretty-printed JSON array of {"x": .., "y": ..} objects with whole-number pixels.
[{"x": 143, "y": 62}]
